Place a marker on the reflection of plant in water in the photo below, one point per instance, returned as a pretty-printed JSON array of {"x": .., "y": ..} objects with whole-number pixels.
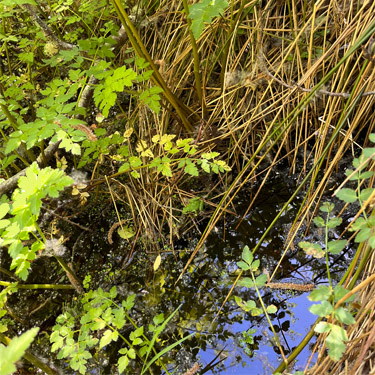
[
  {"x": 101, "y": 322},
  {"x": 249, "y": 264},
  {"x": 246, "y": 341}
]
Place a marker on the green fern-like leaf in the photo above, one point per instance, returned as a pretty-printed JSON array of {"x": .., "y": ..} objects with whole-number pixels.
[
  {"x": 105, "y": 95},
  {"x": 203, "y": 12}
]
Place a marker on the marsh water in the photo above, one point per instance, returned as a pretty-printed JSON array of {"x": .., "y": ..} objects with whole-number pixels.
[{"x": 231, "y": 342}]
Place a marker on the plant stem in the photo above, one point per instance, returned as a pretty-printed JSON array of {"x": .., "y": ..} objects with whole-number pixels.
[
  {"x": 37, "y": 286},
  {"x": 194, "y": 47},
  {"x": 141, "y": 51},
  {"x": 326, "y": 251}
]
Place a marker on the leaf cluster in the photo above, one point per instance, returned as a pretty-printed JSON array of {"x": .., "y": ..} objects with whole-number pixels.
[
  {"x": 337, "y": 335},
  {"x": 24, "y": 210}
]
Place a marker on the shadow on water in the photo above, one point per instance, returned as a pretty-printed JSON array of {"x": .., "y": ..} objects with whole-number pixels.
[{"x": 238, "y": 342}]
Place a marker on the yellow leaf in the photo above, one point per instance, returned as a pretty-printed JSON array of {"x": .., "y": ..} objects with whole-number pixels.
[
  {"x": 128, "y": 133},
  {"x": 156, "y": 138},
  {"x": 141, "y": 146},
  {"x": 157, "y": 262},
  {"x": 148, "y": 153}
]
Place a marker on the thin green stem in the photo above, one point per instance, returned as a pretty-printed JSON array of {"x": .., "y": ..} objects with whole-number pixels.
[{"x": 326, "y": 251}]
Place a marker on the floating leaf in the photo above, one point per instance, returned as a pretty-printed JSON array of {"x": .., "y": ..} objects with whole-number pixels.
[{"x": 125, "y": 232}]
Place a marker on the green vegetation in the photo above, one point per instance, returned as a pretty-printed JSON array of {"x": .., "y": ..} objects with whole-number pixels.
[{"x": 148, "y": 117}]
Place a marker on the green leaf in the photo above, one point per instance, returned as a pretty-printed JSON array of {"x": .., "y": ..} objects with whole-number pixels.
[
  {"x": 256, "y": 312},
  {"x": 203, "y": 12},
  {"x": 244, "y": 266},
  {"x": 365, "y": 194},
  {"x": 335, "y": 342},
  {"x": 359, "y": 224},
  {"x": 124, "y": 168},
  {"x": 347, "y": 195},
  {"x": 334, "y": 222},
  {"x": 255, "y": 265},
  {"x": 131, "y": 353},
  {"x": 76, "y": 149},
  {"x": 194, "y": 205},
  {"x": 152, "y": 98},
  {"x": 15, "y": 350},
  {"x": 322, "y": 309},
  {"x": 123, "y": 363},
  {"x": 319, "y": 222},
  {"x": 335, "y": 247},
  {"x": 247, "y": 255},
  {"x": 246, "y": 282},
  {"x": 166, "y": 170},
  {"x": 344, "y": 316},
  {"x": 321, "y": 293},
  {"x": 246, "y": 306},
  {"x": 261, "y": 280},
  {"x": 191, "y": 168},
  {"x": 165, "y": 350},
  {"x": 4, "y": 223},
  {"x": 126, "y": 232},
  {"x": 129, "y": 303},
  {"x": 27, "y": 57},
  {"x": 327, "y": 207},
  {"x": 323, "y": 327},
  {"x": 4, "y": 209},
  {"x": 364, "y": 235},
  {"x": 340, "y": 292}
]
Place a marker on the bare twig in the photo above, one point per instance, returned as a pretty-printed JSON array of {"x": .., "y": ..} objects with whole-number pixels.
[
  {"x": 50, "y": 35},
  {"x": 67, "y": 220}
]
